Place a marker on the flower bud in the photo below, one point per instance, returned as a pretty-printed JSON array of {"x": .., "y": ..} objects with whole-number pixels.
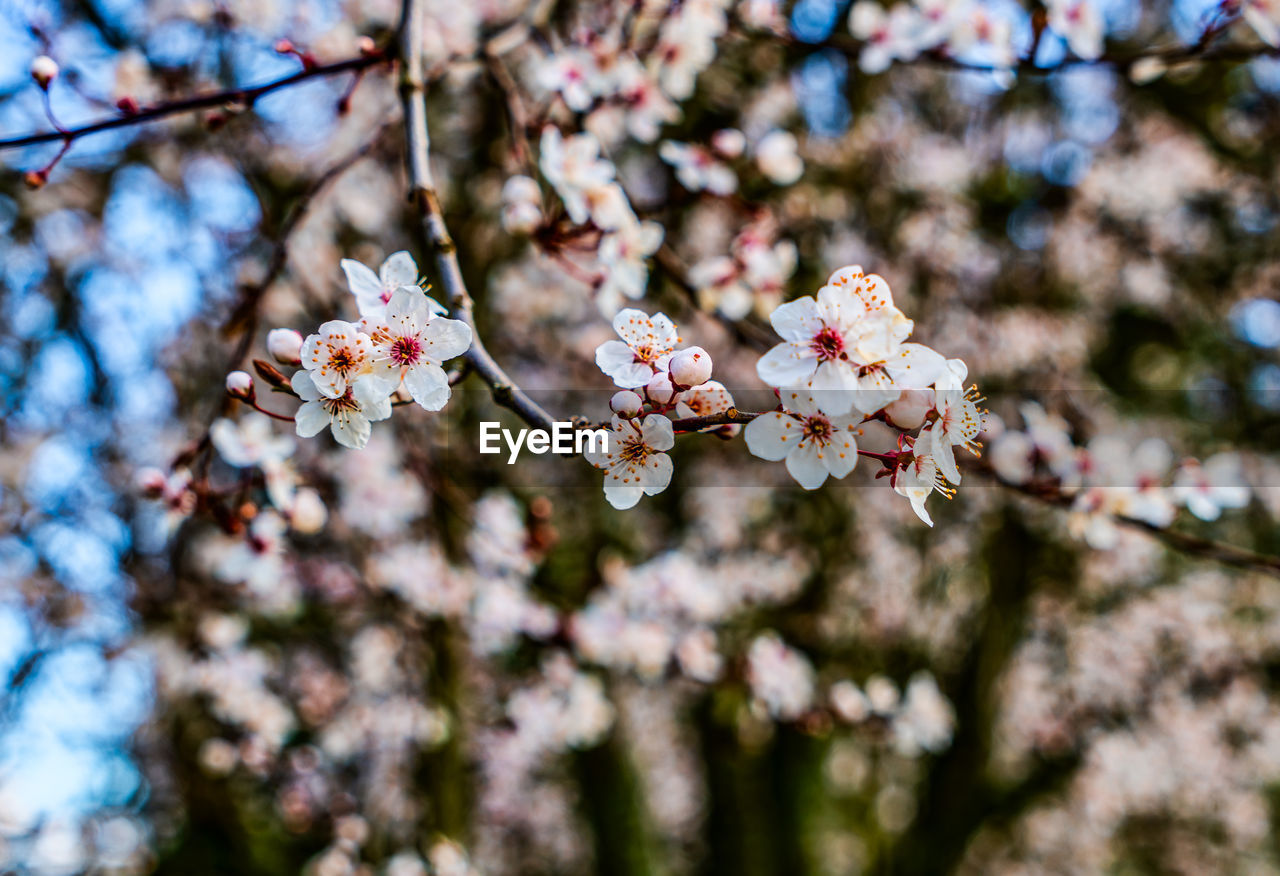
[
  {"x": 240, "y": 385},
  {"x": 285, "y": 346},
  {"x": 44, "y": 70},
  {"x": 660, "y": 391},
  {"x": 626, "y": 404},
  {"x": 909, "y": 411},
  {"x": 150, "y": 482},
  {"x": 690, "y": 367},
  {"x": 729, "y": 142},
  {"x": 308, "y": 514}
]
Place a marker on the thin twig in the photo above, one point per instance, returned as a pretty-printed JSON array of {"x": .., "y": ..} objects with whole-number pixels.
[{"x": 246, "y": 96}]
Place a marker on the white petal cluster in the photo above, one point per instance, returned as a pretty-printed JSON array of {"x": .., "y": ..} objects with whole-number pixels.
[
  {"x": 845, "y": 360},
  {"x": 960, "y": 28},
  {"x": 658, "y": 380},
  {"x": 1114, "y": 477},
  {"x": 351, "y": 371}
]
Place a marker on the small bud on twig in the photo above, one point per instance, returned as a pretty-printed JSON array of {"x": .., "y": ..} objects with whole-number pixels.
[
  {"x": 128, "y": 106},
  {"x": 44, "y": 70},
  {"x": 240, "y": 385},
  {"x": 270, "y": 373},
  {"x": 285, "y": 346}
]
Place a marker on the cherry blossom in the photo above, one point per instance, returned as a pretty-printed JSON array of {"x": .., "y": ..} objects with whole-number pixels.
[
  {"x": 349, "y": 416},
  {"x": 846, "y": 346},
  {"x": 623, "y": 254},
  {"x": 338, "y": 355},
  {"x": 570, "y": 72},
  {"x": 1209, "y": 487},
  {"x": 889, "y": 36},
  {"x": 412, "y": 345},
  {"x": 704, "y": 400},
  {"x": 1264, "y": 17},
  {"x": 778, "y": 158},
  {"x": 647, "y": 343},
  {"x": 697, "y": 169},
  {"x": 919, "y": 479},
  {"x": 959, "y": 422},
  {"x": 373, "y": 291},
  {"x": 575, "y": 169},
  {"x": 1080, "y": 23},
  {"x": 813, "y": 443},
  {"x": 634, "y": 459},
  {"x": 521, "y": 205}
]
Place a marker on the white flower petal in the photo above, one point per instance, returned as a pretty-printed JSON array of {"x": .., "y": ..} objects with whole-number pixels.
[
  {"x": 656, "y": 475},
  {"x": 841, "y": 454},
  {"x": 398, "y": 270},
  {"x": 445, "y": 338},
  {"x": 352, "y": 430},
  {"x": 304, "y": 386},
  {"x": 311, "y": 419},
  {"x": 772, "y": 436},
  {"x": 361, "y": 280},
  {"x": 798, "y": 320},
  {"x": 656, "y": 432},
  {"x": 786, "y": 365},
  {"x": 429, "y": 386},
  {"x": 806, "y": 467}
]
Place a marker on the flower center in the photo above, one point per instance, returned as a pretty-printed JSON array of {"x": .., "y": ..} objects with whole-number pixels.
[
  {"x": 634, "y": 450},
  {"x": 828, "y": 344},
  {"x": 341, "y": 360},
  {"x": 339, "y": 406},
  {"x": 819, "y": 429},
  {"x": 405, "y": 350},
  {"x": 646, "y": 353}
]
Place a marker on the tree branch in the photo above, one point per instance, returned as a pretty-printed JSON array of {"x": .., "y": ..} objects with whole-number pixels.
[
  {"x": 422, "y": 191},
  {"x": 245, "y": 96}
]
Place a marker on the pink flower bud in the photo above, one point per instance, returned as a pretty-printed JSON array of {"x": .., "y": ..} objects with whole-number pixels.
[
  {"x": 626, "y": 404},
  {"x": 240, "y": 385},
  {"x": 729, "y": 142},
  {"x": 690, "y": 367},
  {"x": 909, "y": 411},
  {"x": 150, "y": 482},
  {"x": 44, "y": 70},
  {"x": 308, "y": 514},
  {"x": 285, "y": 346},
  {"x": 660, "y": 391}
]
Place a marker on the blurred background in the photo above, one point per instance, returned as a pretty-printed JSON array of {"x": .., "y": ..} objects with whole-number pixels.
[{"x": 432, "y": 662}]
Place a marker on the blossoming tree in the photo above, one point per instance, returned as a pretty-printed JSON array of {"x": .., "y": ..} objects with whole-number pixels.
[{"x": 271, "y": 272}]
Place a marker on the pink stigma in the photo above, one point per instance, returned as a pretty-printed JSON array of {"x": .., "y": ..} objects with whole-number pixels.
[{"x": 828, "y": 344}]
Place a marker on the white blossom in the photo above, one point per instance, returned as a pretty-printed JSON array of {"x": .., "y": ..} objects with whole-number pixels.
[
  {"x": 411, "y": 346},
  {"x": 634, "y": 459},
  {"x": 646, "y": 345},
  {"x": 348, "y": 416},
  {"x": 813, "y": 444}
]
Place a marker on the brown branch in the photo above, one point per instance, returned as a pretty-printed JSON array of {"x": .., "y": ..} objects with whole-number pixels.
[
  {"x": 707, "y": 421},
  {"x": 422, "y": 191},
  {"x": 1191, "y": 545},
  {"x": 246, "y": 96}
]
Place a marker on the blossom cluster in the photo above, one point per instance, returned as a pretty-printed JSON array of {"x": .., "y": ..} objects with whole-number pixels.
[
  {"x": 351, "y": 371},
  {"x": 1112, "y": 477},
  {"x": 845, "y": 360},
  {"x": 985, "y": 34}
]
